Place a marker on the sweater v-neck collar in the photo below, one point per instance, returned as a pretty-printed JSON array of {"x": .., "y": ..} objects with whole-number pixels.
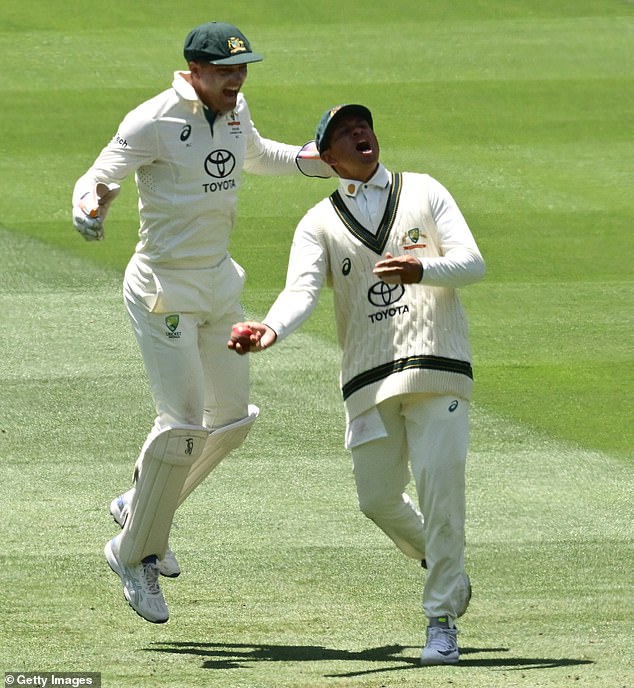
[{"x": 375, "y": 242}]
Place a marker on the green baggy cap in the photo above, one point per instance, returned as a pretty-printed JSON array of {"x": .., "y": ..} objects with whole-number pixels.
[
  {"x": 331, "y": 115},
  {"x": 219, "y": 43}
]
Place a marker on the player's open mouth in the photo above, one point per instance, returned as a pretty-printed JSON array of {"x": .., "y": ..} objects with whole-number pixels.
[{"x": 364, "y": 147}]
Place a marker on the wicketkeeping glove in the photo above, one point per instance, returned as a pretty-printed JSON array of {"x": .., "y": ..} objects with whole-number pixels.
[
  {"x": 310, "y": 164},
  {"x": 91, "y": 211}
]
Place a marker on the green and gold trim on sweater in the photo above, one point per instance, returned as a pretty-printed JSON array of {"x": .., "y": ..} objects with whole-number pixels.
[
  {"x": 375, "y": 242},
  {"x": 420, "y": 362}
]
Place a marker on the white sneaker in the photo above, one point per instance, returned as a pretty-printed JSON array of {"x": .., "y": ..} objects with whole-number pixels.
[
  {"x": 119, "y": 509},
  {"x": 441, "y": 646},
  {"x": 140, "y": 585},
  {"x": 168, "y": 566}
]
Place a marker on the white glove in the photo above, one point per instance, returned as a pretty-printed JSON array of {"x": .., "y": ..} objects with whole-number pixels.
[
  {"x": 91, "y": 211},
  {"x": 310, "y": 164},
  {"x": 91, "y": 228}
]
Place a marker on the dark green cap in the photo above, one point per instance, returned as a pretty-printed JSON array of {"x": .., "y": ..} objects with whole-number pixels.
[
  {"x": 331, "y": 115},
  {"x": 219, "y": 43}
]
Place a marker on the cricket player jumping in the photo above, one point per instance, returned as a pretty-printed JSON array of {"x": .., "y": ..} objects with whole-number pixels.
[{"x": 187, "y": 148}]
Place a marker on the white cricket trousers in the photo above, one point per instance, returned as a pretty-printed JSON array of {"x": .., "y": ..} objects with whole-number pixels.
[
  {"x": 194, "y": 378},
  {"x": 429, "y": 435},
  {"x": 195, "y": 381}
]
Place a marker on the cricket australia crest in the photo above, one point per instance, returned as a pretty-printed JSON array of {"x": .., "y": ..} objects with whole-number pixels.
[{"x": 171, "y": 322}]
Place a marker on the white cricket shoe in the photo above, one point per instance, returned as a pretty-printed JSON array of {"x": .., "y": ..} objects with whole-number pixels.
[
  {"x": 168, "y": 566},
  {"x": 441, "y": 646},
  {"x": 140, "y": 585},
  {"x": 119, "y": 508}
]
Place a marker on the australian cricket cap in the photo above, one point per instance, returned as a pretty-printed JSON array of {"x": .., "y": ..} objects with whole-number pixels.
[
  {"x": 219, "y": 43},
  {"x": 332, "y": 115}
]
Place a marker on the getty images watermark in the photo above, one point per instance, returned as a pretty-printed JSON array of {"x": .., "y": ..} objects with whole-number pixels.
[{"x": 47, "y": 679}]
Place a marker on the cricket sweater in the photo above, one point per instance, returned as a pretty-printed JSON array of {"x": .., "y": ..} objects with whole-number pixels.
[{"x": 395, "y": 339}]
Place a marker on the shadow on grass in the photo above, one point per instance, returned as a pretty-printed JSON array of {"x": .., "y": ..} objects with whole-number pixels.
[{"x": 239, "y": 656}]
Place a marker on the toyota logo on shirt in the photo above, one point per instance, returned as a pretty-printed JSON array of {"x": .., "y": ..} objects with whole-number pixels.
[
  {"x": 384, "y": 297},
  {"x": 381, "y": 294},
  {"x": 220, "y": 163}
]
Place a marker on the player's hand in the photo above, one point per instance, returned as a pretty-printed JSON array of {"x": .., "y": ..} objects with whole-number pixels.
[
  {"x": 310, "y": 164},
  {"x": 91, "y": 228},
  {"x": 399, "y": 270},
  {"x": 251, "y": 336},
  {"x": 90, "y": 213}
]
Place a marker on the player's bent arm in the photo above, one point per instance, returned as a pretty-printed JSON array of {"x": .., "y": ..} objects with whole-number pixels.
[
  {"x": 461, "y": 262},
  {"x": 457, "y": 268},
  {"x": 132, "y": 146},
  {"x": 268, "y": 157}
]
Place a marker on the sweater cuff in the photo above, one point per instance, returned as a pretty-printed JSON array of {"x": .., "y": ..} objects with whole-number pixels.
[{"x": 422, "y": 271}]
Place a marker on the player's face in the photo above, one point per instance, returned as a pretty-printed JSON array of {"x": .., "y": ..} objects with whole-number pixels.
[
  {"x": 218, "y": 85},
  {"x": 353, "y": 148}
]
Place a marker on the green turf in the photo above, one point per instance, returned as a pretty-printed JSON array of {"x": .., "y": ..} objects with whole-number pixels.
[
  {"x": 522, "y": 110},
  {"x": 285, "y": 583}
]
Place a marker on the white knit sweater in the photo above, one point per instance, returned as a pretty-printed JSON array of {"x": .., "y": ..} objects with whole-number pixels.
[{"x": 395, "y": 338}]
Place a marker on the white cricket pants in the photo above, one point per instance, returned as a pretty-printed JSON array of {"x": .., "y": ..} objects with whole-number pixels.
[
  {"x": 428, "y": 434},
  {"x": 194, "y": 378}
]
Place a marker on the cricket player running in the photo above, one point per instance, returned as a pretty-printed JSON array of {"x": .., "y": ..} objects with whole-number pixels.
[
  {"x": 187, "y": 147},
  {"x": 395, "y": 248}
]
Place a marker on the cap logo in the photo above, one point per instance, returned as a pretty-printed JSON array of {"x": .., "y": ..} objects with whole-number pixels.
[{"x": 236, "y": 45}]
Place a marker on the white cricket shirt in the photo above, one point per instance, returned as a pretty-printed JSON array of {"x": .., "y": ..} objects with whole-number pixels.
[{"x": 188, "y": 173}]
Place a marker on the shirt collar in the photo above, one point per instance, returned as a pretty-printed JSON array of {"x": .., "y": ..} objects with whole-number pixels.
[
  {"x": 184, "y": 89},
  {"x": 380, "y": 180}
]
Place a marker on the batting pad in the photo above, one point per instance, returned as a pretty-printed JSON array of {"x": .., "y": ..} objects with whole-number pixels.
[
  {"x": 219, "y": 443},
  {"x": 166, "y": 460}
]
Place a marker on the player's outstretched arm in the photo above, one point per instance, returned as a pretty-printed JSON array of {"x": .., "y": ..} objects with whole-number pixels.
[{"x": 251, "y": 336}]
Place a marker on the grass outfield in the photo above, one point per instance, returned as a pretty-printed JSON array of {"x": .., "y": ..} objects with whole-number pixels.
[
  {"x": 285, "y": 584},
  {"x": 521, "y": 109}
]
